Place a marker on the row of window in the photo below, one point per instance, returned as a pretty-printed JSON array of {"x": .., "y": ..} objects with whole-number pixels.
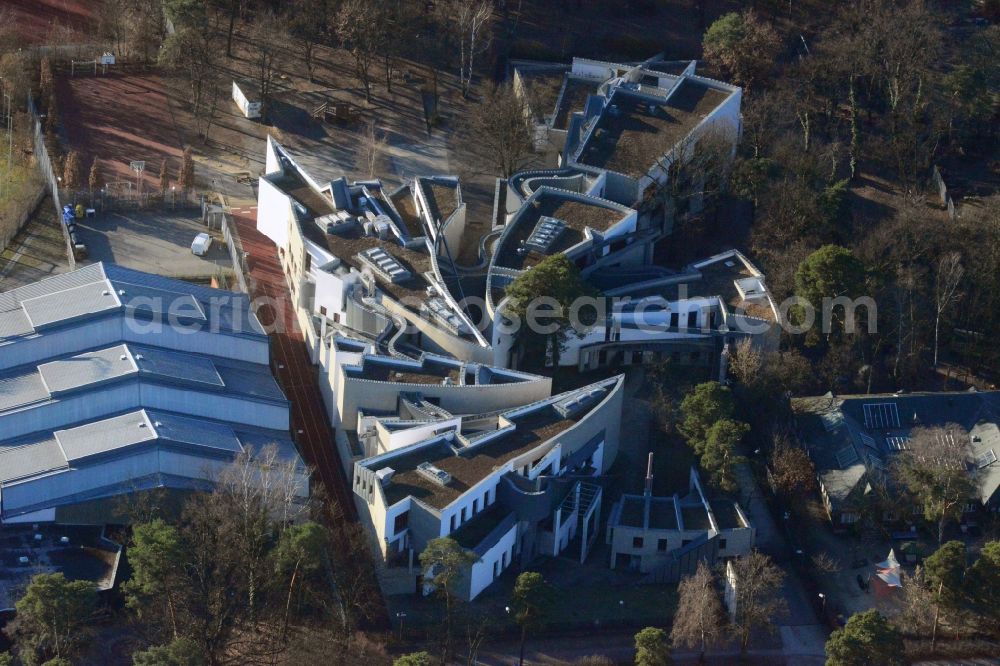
[
  {"x": 501, "y": 564},
  {"x": 661, "y": 544},
  {"x": 478, "y": 504}
]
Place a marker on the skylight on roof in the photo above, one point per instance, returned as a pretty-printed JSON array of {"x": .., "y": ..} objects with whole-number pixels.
[
  {"x": 384, "y": 264},
  {"x": 868, "y": 441},
  {"x": 545, "y": 234},
  {"x": 846, "y": 457},
  {"x": 881, "y": 415}
]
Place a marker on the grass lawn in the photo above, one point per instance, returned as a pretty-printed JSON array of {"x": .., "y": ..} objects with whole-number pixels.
[
  {"x": 20, "y": 187},
  {"x": 672, "y": 462},
  {"x": 599, "y": 604}
]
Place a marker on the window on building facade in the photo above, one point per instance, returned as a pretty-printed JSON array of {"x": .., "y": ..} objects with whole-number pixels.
[
  {"x": 661, "y": 545},
  {"x": 722, "y": 544},
  {"x": 401, "y": 522},
  {"x": 637, "y": 542}
]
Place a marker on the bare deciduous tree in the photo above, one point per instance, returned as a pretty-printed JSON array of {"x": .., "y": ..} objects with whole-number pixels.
[
  {"x": 94, "y": 180},
  {"x": 186, "y": 178},
  {"x": 371, "y": 149},
  {"x": 472, "y": 22},
  {"x": 745, "y": 362},
  {"x": 73, "y": 171},
  {"x": 758, "y": 594},
  {"x": 359, "y": 27},
  {"x": 699, "y": 619},
  {"x": 193, "y": 52},
  {"x": 308, "y": 24},
  {"x": 792, "y": 472},
  {"x": 934, "y": 469},
  {"x": 498, "y": 128},
  {"x": 164, "y": 177},
  {"x": 268, "y": 35},
  {"x": 949, "y": 275}
]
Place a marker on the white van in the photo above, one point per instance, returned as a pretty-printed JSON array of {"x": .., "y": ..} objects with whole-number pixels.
[{"x": 201, "y": 245}]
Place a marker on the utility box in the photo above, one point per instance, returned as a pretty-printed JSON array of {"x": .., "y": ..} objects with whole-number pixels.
[{"x": 247, "y": 98}]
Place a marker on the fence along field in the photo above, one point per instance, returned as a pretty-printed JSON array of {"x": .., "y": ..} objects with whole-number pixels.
[{"x": 21, "y": 186}]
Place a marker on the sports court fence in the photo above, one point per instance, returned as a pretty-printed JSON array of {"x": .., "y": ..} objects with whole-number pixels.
[
  {"x": 45, "y": 166},
  {"x": 125, "y": 195},
  {"x": 238, "y": 256}
]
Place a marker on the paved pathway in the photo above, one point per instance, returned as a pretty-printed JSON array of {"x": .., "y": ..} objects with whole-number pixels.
[
  {"x": 800, "y": 630},
  {"x": 290, "y": 360},
  {"x": 621, "y": 648}
]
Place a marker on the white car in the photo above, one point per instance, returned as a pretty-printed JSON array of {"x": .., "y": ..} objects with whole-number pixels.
[{"x": 201, "y": 245}]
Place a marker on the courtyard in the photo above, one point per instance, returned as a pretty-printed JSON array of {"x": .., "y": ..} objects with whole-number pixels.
[{"x": 153, "y": 240}]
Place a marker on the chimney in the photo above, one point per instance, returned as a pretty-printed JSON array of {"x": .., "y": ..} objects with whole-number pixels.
[{"x": 649, "y": 475}]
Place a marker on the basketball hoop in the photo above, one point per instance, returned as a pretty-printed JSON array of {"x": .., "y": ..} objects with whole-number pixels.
[{"x": 138, "y": 166}]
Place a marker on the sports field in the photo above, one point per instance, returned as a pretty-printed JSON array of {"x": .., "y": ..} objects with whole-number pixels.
[
  {"x": 37, "y": 20},
  {"x": 119, "y": 118}
]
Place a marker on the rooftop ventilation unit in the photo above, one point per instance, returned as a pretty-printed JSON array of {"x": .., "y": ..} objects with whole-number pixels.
[
  {"x": 384, "y": 475},
  {"x": 336, "y": 223},
  {"x": 432, "y": 473},
  {"x": 378, "y": 227},
  {"x": 384, "y": 264},
  {"x": 577, "y": 403},
  {"x": 543, "y": 238}
]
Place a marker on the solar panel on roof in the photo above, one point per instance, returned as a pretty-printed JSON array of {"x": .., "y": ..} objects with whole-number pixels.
[
  {"x": 847, "y": 456},
  {"x": 986, "y": 459},
  {"x": 947, "y": 438},
  {"x": 881, "y": 415},
  {"x": 898, "y": 442}
]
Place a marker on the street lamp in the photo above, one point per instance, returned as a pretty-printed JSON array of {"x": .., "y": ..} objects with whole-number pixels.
[
  {"x": 400, "y": 616},
  {"x": 823, "y": 597}
]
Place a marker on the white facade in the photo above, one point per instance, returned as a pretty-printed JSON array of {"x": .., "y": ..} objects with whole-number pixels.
[{"x": 249, "y": 108}]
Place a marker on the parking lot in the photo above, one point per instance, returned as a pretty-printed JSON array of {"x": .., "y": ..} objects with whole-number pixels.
[{"x": 153, "y": 241}]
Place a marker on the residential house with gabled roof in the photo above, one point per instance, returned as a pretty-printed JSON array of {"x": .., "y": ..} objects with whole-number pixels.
[{"x": 852, "y": 441}]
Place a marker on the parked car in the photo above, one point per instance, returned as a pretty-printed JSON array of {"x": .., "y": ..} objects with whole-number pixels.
[{"x": 201, "y": 245}]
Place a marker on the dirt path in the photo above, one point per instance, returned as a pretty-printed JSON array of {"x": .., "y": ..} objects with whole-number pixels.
[{"x": 38, "y": 251}]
